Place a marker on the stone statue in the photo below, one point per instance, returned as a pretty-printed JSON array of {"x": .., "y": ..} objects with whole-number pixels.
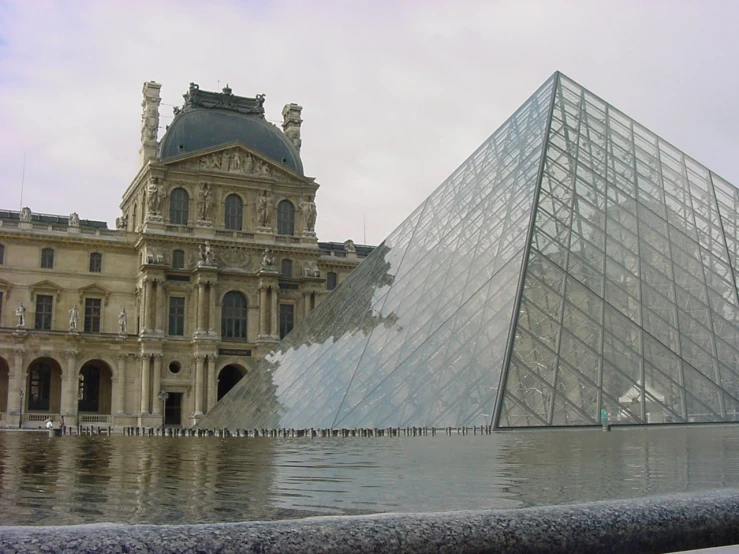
[
  {"x": 349, "y": 246},
  {"x": 264, "y": 168},
  {"x": 264, "y": 209},
  {"x": 74, "y": 220},
  {"x": 74, "y": 318},
  {"x": 201, "y": 252},
  {"x": 205, "y": 202},
  {"x": 210, "y": 254},
  {"x": 122, "y": 323},
  {"x": 20, "y": 312},
  {"x": 267, "y": 259},
  {"x": 121, "y": 222},
  {"x": 25, "y": 216},
  {"x": 154, "y": 195},
  {"x": 308, "y": 208}
]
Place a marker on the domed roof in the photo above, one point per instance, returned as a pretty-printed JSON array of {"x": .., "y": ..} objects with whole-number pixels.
[{"x": 210, "y": 119}]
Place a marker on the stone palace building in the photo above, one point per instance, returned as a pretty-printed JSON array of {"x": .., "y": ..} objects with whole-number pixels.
[{"x": 213, "y": 260}]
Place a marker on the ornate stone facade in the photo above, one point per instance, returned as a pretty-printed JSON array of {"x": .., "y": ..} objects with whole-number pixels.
[{"x": 213, "y": 259}]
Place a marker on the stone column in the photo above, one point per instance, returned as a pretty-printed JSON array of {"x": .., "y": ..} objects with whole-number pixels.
[
  {"x": 157, "y": 404},
  {"x": 148, "y": 292},
  {"x": 212, "y": 390},
  {"x": 70, "y": 385},
  {"x": 212, "y": 309},
  {"x": 119, "y": 385},
  {"x": 274, "y": 313},
  {"x": 149, "y": 121},
  {"x": 159, "y": 307},
  {"x": 16, "y": 383},
  {"x": 145, "y": 391},
  {"x": 201, "y": 308},
  {"x": 263, "y": 310},
  {"x": 198, "y": 385},
  {"x": 306, "y": 303}
]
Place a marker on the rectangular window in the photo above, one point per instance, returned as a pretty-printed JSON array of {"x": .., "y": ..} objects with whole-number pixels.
[
  {"x": 176, "y": 316},
  {"x": 1, "y": 309},
  {"x": 47, "y": 258},
  {"x": 43, "y": 311},
  {"x": 331, "y": 280},
  {"x": 92, "y": 315},
  {"x": 287, "y": 319},
  {"x": 2, "y": 254},
  {"x": 96, "y": 262}
]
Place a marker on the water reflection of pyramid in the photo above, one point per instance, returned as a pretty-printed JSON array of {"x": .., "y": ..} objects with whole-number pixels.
[{"x": 575, "y": 265}]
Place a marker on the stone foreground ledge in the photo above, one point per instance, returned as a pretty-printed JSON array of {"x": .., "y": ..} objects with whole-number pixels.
[{"x": 658, "y": 524}]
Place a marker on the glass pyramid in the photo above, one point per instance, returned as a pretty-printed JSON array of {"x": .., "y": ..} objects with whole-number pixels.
[{"x": 575, "y": 269}]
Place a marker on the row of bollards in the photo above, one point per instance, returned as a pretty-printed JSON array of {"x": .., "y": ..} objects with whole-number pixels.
[
  {"x": 300, "y": 433},
  {"x": 82, "y": 430}
]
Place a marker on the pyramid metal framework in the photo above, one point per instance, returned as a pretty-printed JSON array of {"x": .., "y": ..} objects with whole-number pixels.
[{"x": 575, "y": 269}]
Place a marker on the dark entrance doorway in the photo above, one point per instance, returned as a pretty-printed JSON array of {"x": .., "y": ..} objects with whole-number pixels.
[
  {"x": 173, "y": 409},
  {"x": 229, "y": 376}
]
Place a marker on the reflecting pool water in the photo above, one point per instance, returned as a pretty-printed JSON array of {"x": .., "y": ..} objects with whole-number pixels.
[{"x": 69, "y": 480}]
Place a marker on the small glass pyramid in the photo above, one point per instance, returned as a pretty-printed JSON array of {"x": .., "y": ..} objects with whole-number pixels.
[{"x": 576, "y": 269}]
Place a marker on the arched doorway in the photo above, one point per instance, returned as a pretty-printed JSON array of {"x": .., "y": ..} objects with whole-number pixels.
[
  {"x": 43, "y": 389},
  {"x": 4, "y": 387},
  {"x": 228, "y": 377},
  {"x": 95, "y": 389}
]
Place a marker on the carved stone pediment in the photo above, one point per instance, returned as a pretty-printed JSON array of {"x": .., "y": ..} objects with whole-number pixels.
[
  {"x": 94, "y": 290},
  {"x": 45, "y": 286},
  {"x": 235, "y": 257},
  {"x": 233, "y": 160}
]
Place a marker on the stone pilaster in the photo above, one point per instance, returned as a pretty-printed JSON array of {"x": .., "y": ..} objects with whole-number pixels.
[
  {"x": 198, "y": 385},
  {"x": 70, "y": 384},
  {"x": 212, "y": 387},
  {"x": 157, "y": 405},
  {"x": 16, "y": 382},
  {"x": 263, "y": 310},
  {"x": 119, "y": 385},
  {"x": 145, "y": 376},
  {"x": 159, "y": 307},
  {"x": 274, "y": 314},
  {"x": 212, "y": 309},
  {"x": 201, "y": 308},
  {"x": 148, "y": 294}
]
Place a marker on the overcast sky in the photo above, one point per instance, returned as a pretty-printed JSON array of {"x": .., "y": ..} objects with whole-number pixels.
[{"x": 395, "y": 94}]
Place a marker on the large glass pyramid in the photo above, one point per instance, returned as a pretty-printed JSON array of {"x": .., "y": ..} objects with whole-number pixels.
[{"x": 576, "y": 268}]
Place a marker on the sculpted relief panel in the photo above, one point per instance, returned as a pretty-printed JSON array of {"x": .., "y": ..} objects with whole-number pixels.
[{"x": 233, "y": 160}]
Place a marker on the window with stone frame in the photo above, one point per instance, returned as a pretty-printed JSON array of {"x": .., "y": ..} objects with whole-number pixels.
[
  {"x": 234, "y": 215},
  {"x": 178, "y": 259},
  {"x": 47, "y": 258},
  {"x": 96, "y": 262},
  {"x": 93, "y": 313},
  {"x": 176, "y": 316},
  {"x": 286, "y": 267},
  {"x": 44, "y": 312},
  {"x": 233, "y": 316},
  {"x": 179, "y": 206},
  {"x": 1, "y": 309},
  {"x": 2, "y": 254},
  {"x": 287, "y": 319},
  {"x": 285, "y": 218},
  {"x": 330, "y": 280}
]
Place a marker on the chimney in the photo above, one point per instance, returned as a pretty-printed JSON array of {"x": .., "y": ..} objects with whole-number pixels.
[
  {"x": 149, "y": 121},
  {"x": 291, "y": 123}
]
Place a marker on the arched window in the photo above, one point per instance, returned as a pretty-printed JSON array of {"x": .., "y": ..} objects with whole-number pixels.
[
  {"x": 47, "y": 258},
  {"x": 233, "y": 316},
  {"x": 285, "y": 218},
  {"x": 178, "y": 259},
  {"x": 287, "y": 269},
  {"x": 179, "y": 203},
  {"x": 2, "y": 254},
  {"x": 96, "y": 262},
  {"x": 234, "y": 212}
]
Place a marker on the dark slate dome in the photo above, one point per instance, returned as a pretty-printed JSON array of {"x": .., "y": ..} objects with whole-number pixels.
[{"x": 210, "y": 118}]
